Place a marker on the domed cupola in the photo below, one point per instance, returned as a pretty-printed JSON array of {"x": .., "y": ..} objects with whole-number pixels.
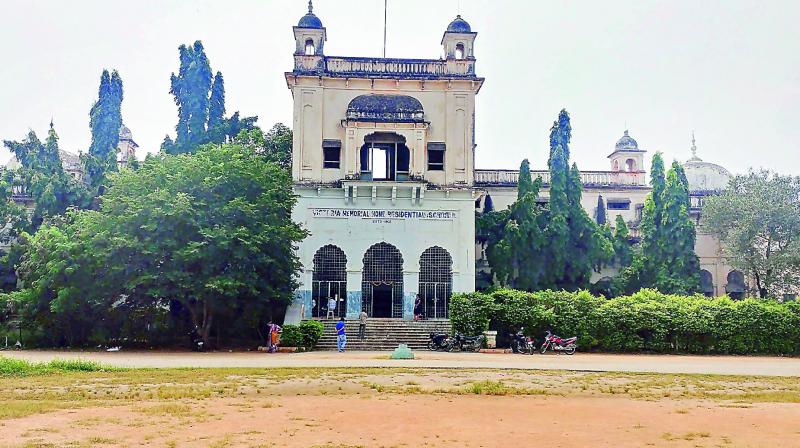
[
  {"x": 310, "y": 37},
  {"x": 704, "y": 177},
  {"x": 459, "y": 25},
  {"x": 626, "y": 142},
  {"x": 310, "y": 20},
  {"x": 458, "y": 40}
]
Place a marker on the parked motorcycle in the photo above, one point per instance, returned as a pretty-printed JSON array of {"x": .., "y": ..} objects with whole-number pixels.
[
  {"x": 439, "y": 342},
  {"x": 467, "y": 343},
  {"x": 522, "y": 344},
  {"x": 558, "y": 344}
]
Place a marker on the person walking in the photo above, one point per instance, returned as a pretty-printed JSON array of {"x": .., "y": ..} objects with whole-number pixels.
[
  {"x": 341, "y": 336},
  {"x": 331, "y": 308},
  {"x": 274, "y": 332},
  {"x": 362, "y": 325}
]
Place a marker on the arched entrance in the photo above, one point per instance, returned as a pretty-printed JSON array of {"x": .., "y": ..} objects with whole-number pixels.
[
  {"x": 435, "y": 282},
  {"x": 384, "y": 156},
  {"x": 382, "y": 281},
  {"x": 329, "y": 280},
  {"x": 706, "y": 283},
  {"x": 735, "y": 287}
]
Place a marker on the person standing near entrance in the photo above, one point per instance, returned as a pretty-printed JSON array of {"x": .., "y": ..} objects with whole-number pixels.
[
  {"x": 341, "y": 336},
  {"x": 331, "y": 308},
  {"x": 274, "y": 333},
  {"x": 362, "y": 325}
]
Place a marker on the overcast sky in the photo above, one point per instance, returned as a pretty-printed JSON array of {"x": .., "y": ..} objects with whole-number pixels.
[{"x": 730, "y": 70}]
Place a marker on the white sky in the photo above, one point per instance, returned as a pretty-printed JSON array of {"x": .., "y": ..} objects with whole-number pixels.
[{"x": 729, "y": 69}]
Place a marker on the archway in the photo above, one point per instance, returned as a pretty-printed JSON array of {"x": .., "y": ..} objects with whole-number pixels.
[
  {"x": 329, "y": 280},
  {"x": 382, "y": 281},
  {"x": 706, "y": 283},
  {"x": 384, "y": 156},
  {"x": 735, "y": 287},
  {"x": 435, "y": 283}
]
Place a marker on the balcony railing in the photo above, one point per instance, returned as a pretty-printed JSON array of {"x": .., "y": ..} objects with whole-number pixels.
[
  {"x": 589, "y": 178},
  {"x": 387, "y": 67}
]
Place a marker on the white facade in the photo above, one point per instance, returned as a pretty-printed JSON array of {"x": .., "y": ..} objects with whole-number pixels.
[{"x": 383, "y": 166}]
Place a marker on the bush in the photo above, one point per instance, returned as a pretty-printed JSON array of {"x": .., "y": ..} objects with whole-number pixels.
[
  {"x": 21, "y": 367},
  {"x": 304, "y": 335},
  {"x": 646, "y": 320}
]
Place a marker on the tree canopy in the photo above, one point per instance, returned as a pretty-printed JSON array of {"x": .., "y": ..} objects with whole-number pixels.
[
  {"x": 209, "y": 234},
  {"x": 757, "y": 219},
  {"x": 105, "y": 121}
]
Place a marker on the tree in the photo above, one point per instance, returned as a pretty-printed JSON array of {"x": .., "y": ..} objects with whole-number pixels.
[
  {"x": 42, "y": 176},
  {"x": 757, "y": 220},
  {"x": 560, "y": 134},
  {"x": 200, "y": 98},
  {"x": 209, "y": 233},
  {"x": 275, "y": 146},
  {"x": 665, "y": 259},
  {"x": 623, "y": 253},
  {"x": 600, "y": 215},
  {"x": 105, "y": 121}
]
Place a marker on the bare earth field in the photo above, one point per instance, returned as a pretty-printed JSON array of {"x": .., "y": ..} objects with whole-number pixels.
[{"x": 396, "y": 407}]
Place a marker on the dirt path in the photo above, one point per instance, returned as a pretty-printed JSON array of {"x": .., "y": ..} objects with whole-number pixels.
[
  {"x": 416, "y": 420},
  {"x": 729, "y": 365}
]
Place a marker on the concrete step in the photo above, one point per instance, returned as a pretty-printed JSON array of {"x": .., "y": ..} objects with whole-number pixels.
[{"x": 384, "y": 334}]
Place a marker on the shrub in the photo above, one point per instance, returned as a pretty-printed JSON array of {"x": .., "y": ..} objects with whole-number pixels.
[
  {"x": 646, "y": 320},
  {"x": 304, "y": 335},
  {"x": 21, "y": 367}
]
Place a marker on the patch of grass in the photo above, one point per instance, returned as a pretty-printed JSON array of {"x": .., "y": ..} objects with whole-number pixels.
[
  {"x": 24, "y": 408},
  {"x": 12, "y": 367},
  {"x": 488, "y": 387},
  {"x": 168, "y": 409}
]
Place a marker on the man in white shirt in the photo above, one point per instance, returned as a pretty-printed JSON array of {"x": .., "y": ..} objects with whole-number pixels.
[{"x": 331, "y": 308}]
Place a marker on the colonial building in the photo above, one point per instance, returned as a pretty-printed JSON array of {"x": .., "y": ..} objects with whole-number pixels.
[{"x": 383, "y": 165}]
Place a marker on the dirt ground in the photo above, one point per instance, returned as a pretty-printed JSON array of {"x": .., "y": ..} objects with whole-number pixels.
[{"x": 344, "y": 408}]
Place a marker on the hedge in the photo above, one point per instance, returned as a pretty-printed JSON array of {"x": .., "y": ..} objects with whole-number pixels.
[
  {"x": 304, "y": 335},
  {"x": 647, "y": 320}
]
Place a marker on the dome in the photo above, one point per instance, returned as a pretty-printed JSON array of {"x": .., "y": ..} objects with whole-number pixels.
[
  {"x": 125, "y": 133},
  {"x": 459, "y": 25},
  {"x": 386, "y": 108},
  {"x": 704, "y": 176},
  {"x": 309, "y": 20},
  {"x": 626, "y": 143}
]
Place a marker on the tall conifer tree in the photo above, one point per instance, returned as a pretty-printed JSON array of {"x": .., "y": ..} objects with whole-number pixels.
[{"x": 105, "y": 121}]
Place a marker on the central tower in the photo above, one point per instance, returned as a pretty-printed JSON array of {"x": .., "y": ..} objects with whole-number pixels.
[{"x": 383, "y": 164}]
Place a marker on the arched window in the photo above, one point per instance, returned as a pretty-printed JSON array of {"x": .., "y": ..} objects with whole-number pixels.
[
  {"x": 310, "y": 50},
  {"x": 329, "y": 280},
  {"x": 735, "y": 287},
  {"x": 630, "y": 165},
  {"x": 616, "y": 165},
  {"x": 706, "y": 283},
  {"x": 382, "y": 281},
  {"x": 435, "y": 283},
  {"x": 459, "y": 51}
]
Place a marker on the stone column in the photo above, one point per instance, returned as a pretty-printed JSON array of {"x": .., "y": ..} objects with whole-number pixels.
[
  {"x": 410, "y": 290},
  {"x": 353, "y": 294}
]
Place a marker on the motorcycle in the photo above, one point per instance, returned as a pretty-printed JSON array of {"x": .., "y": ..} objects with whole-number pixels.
[
  {"x": 558, "y": 344},
  {"x": 439, "y": 342},
  {"x": 522, "y": 344},
  {"x": 467, "y": 343}
]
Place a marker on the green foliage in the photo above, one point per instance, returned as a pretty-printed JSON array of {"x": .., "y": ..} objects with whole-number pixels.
[
  {"x": 665, "y": 259},
  {"x": 12, "y": 367},
  {"x": 200, "y": 98},
  {"x": 757, "y": 218},
  {"x": 209, "y": 233},
  {"x": 600, "y": 214},
  {"x": 304, "y": 335},
  {"x": 42, "y": 176},
  {"x": 623, "y": 252},
  {"x": 470, "y": 313},
  {"x": 275, "y": 146},
  {"x": 105, "y": 121},
  {"x": 646, "y": 320}
]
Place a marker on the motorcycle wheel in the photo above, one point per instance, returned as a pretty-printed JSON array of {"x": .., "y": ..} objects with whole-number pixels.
[
  {"x": 477, "y": 348},
  {"x": 515, "y": 348},
  {"x": 530, "y": 349},
  {"x": 431, "y": 346},
  {"x": 453, "y": 348},
  {"x": 570, "y": 350},
  {"x": 543, "y": 350}
]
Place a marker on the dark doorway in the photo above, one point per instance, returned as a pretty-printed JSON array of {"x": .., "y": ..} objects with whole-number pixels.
[{"x": 382, "y": 301}]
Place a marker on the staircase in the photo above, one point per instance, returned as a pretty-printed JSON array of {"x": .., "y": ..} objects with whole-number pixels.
[{"x": 384, "y": 334}]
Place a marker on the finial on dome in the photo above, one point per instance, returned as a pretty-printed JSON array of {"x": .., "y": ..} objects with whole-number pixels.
[
  {"x": 694, "y": 150},
  {"x": 310, "y": 7}
]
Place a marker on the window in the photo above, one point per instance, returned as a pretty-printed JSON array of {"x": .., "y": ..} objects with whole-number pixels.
[
  {"x": 331, "y": 153},
  {"x": 436, "y": 156},
  {"x": 630, "y": 165},
  {"x": 384, "y": 156},
  {"x": 332, "y": 156},
  {"x": 618, "y": 204},
  {"x": 459, "y": 51},
  {"x": 310, "y": 50}
]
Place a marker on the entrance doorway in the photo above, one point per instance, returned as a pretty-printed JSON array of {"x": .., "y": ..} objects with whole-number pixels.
[
  {"x": 382, "y": 281},
  {"x": 382, "y": 301}
]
